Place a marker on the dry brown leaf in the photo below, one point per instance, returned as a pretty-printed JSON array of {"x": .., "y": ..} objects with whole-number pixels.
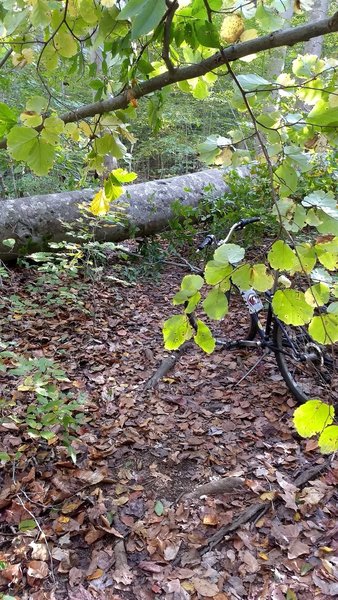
[
  {"x": 39, "y": 551},
  {"x": 170, "y": 552},
  {"x": 250, "y": 561},
  {"x": 37, "y": 569},
  {"x": 297, "y": 548},
  {"x": 12, "y": 573},
  {"x": 205, "y": 587}
]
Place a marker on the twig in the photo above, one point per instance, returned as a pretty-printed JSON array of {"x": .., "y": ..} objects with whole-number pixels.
[
  {"x": 5, "y": 57},
  {"x": 42, "y": 534},
  {"x": 165, "y": 367}
]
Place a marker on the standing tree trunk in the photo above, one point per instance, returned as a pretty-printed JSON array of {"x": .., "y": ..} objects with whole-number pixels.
[{"x": 319, "y": 11}]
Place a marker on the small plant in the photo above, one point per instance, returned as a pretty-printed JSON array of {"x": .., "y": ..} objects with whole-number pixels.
[{"x": 50, "y": 413}]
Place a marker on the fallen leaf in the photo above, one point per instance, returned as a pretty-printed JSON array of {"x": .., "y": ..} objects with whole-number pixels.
[
  {"x": 37, "y": 569},
  {"x": 205, "y": 587},
  {"x": 297, "y": 548},
  {"x": 39, "y": 551},
  {"x": 170, "y": 552}
]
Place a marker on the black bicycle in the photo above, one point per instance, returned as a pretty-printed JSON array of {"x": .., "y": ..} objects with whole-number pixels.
[{"x": 309, "y": 369}]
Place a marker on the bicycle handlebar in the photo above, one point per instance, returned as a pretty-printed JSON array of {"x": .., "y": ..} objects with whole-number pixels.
[
  {"x": 206, "y": 242},
  {"x": 244, "y": 222},
  {"x": 210, "y": 239}
]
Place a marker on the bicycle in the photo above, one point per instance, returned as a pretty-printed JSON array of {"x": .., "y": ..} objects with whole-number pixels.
[{"x": 308, "y": 368}]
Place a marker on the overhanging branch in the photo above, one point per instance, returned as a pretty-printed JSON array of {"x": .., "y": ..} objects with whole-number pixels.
[{"x": 286, "y": 37}]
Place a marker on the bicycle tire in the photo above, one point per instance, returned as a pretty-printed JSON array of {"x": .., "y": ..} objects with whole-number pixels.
[{"x": 308, "y": 379}]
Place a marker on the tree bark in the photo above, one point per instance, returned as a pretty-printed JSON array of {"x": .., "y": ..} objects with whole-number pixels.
[
  {"x": 35, "y": 221},
  {"x": 319, "y": 11}
]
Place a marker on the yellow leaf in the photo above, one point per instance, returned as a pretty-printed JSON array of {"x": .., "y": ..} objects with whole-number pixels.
[
  {"x": 268, "y": 495},
  {"x": 63, "y": 519},
  {"x": 224, "y": 157},
  {"x": 99, "y": 206},
  {"x": 248, "y": 34},
  {"x": 97, "y": 573},
  {"x": 232, "y": 28},
  {"x": 210, "y": 519},
  {"x": 263, "y": 556}
]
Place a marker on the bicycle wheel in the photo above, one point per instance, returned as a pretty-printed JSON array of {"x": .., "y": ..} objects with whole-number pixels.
[{"x": 309, "y": 369}]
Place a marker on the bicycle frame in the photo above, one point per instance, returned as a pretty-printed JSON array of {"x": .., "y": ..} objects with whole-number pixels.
[{"x": 254, "y": 306}]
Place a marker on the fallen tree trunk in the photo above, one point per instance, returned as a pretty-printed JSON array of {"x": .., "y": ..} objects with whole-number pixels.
[{"x": 35, "y": 221}]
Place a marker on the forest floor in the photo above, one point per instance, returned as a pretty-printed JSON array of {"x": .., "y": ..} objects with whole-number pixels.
[{"x": 125, "y": 522}]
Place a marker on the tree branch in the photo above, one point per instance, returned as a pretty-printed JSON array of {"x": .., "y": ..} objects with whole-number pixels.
[
  {"x": 287, "y": 37},
  {"x": 172, "y": 8}
]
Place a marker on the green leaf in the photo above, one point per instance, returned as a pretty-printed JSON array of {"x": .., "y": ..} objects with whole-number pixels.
[
  {"x": 204, "y": 338},
  {"x": 307, "y": 65},
  {"x": 207, "y": 34},
  {"x": 54, "y": 124},
  {"x": 89, "y": 12},
  {"x": 216, "y": 272},
  {"x": 328, "y": 440},
  {"x": 323, "y": 200},
  {"x": 281, "y": 257},
  {"x": 320, "y": 275},
  {"x": 20, "y": 142},
  {"x": 27, "y": 525},
  {"x": 193, "y": 301},
  {"x": 176, "y": 331},
  {"x": 31, "y": 120},
  {"x": 200, "y": 91},
  {"x": 311, "y": 418},
  {"x": 317, "y": 295},
  {"x": 327, "y": 253},
  {"x": 268, "y": 19},
  {"x": 252, "y": 82},
  {"x": 145, "y": 15},
  {"x": 324, "y": 328},
  {"x": 36, "y": 104},
  {"x": 301, "y": 160},
  {"x": 159, "y": 508},
  {"x": 41, "y": 157},
  {"x": 291, "y": 307},
  {"x": 10, "y": 243},
  {"x": 65, "y": 43},
  {"x": 4, "y": 457},
  {"x": 209, "y": 149},
  {"x": 123, "y": 176},
  {"x": 41, "y": 14},
  {"x": 131, "y": 9},
  {"x": 254, "y": 276},
  {"x": 7, "y": 118},
  {"x": 229, "y": 253},
  {"x": 323, "y": 115},
  {"x": 104, "y": 145},
  {"x": 216, "y": 304},
  {"x": 333, "y": 307},
  {"x": 287, "y": 179},
  {"x": 306, "y": 258},
  {"x": 47, "y": 435},
  {"x": 191, "y": 283}
]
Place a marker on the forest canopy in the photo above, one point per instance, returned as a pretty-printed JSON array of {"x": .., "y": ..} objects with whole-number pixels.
[{"x": 127, "y": 50}]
